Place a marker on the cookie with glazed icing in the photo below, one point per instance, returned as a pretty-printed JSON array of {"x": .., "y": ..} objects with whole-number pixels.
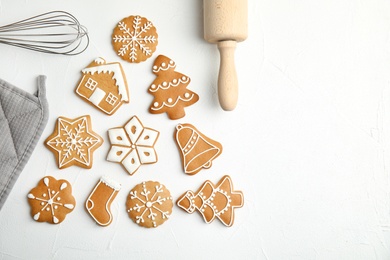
[
  {"x": 169, "y": 89},
  {"x": 73, "y": 142},
  {"x": 149, "y": 204},
  {"x": 197, "y": 151},
  {"x": 132, "y": 145},
  {"x": 213, "y": 201},
  {"x": 134, "y": 39},
  {"x": 51, "y": 200},
  {"x": 104, "y": 86}
]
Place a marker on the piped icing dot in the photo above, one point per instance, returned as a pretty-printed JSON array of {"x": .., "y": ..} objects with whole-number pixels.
[
  {"x": 174, "y": 81},
  {"x": 183, "y": 78},
  {"x": 155, "y": 104},
  {"x": 164, "y": 84},
  {"x": 154, "y": 67},
  {"x": 170, "y": 100},
  {"x": 163, "y": 64},
  {"x": 171, "y": 62},
  {"x": 187, "y": 95},
  {"x": 153, "y": 86}
]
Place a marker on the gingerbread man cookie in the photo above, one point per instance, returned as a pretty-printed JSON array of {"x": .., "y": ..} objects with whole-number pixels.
[
  {"x": 134, "y": 39},
  {"x": 51, "y": 200},
  {"x": 169, "y": 89},
  {"x": 149, "y": 204},
  {"x": 213, "y": 201},
  {"x": 73, "y": 142}
]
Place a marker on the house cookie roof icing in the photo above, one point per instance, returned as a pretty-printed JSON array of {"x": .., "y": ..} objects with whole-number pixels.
[{"x": 100, "y": 66}]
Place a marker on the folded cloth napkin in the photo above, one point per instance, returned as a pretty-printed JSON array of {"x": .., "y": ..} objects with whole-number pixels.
[{"x": 23, "y": 117}]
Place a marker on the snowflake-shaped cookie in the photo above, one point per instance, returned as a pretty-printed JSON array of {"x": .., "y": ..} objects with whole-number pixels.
[
  {"x": 132, "y": 145},
  {"x": 149, "y": 204},
  {"x": 73, "y": 142},
  {"x": 51, "y": 200},
  {"x": 134, "y": 39}
]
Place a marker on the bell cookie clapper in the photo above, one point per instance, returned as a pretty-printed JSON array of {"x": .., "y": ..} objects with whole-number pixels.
[{"x": 226, "y": 23}]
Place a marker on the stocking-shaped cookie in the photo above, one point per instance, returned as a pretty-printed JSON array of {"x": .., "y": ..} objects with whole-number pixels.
[
  {"x": 213, "y": 201},
  {"x": 170, "y": 89},
  {"x": 99, "y": 201}
]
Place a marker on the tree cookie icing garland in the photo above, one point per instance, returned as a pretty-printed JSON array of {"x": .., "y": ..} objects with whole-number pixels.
[
  {"x": 196, "y": 150},
  {"x": 51, "y": 200},
  {"x": 104, "y": 86},
  {"x": 170, "y": 89},
  {"x": 149, "y": 204},
  {"x": 134, "y": 39},
  {"x": 132, "y": 145},
  {"x": 213, "y": 201},
  {"x": 99, "y": 201},
  {"x": 73, "y": 142}
]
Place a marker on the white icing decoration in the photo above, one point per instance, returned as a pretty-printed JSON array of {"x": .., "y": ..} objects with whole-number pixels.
[
  {"x": 135, "y": 37},
  {"x": 97, "y": 96},
  {"x": 63, "y": 186},
  {"x": 100, "y": 61},
  {"x": 174, "y": 104},
  {"x": 118, "y": 76},
  {"x": 118, "y": 136},
  {"x": 164, "y": 66},
  {"x": 69, "y": 206},
  {"x": 30, "y": 196},
  {"x": 36, "y": 216},
  {"x": 46, "y": 181},
  {"x": 137, "y": 147},
  {"x": 155, "y": 104},
  {"x": 111, "y": 183},
  {"x": 170, "y": 100},
  {"x": 187, "y": 95},
  {"x": 173, "y": 83},
  {"x": 70, "y": 145},
  {"x": 55, "y": 220}
]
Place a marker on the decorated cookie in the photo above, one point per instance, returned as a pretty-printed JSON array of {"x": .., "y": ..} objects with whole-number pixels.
[
  {"x": 134, "y": 39},
  {"x": 132, "y": 145},
  {"x": 170, "y": 89},
  {"x": 104, "y": 86},
  {"x": 149, "y": 204},
  {"x": 197, "y": 150},
  {"x": 213, "y": 201},
  {"x": 51, "y": 200},
  {"x": 99, "y": 201},
  {"x": 73, "y": 142}
]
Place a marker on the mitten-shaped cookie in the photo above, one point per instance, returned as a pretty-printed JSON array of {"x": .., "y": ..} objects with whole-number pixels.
[
  {"x": 99, "y": 201},
  {"x": 170, "y": 89}
]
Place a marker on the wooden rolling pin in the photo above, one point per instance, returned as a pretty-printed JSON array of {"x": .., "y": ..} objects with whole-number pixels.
[{"x": 226, "y": 23}]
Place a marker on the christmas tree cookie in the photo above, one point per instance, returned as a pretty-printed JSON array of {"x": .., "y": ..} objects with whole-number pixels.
[
  {"x": 213, "y": 201},
  {"x": 196, "y": 149},
  {"x": 73, "y": 142},
  {"x": 149, "y": 204},
  {"x": 51, "y": 200},
  {"x": 134, "y": 39},
  {"x": 170, "y": 89}
]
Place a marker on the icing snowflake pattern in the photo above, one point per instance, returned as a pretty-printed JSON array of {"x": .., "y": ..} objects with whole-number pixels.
[
  {"x": 51, "y": 201},
  {"x": 74, "y": 142},
  {"x": 149, "y": 204},
  {"x": 136, "y": 38},
  {"x": 132, "y": 145}
]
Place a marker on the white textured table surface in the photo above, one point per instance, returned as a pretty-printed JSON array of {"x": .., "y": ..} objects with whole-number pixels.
[{"x": 308, "y": 144}]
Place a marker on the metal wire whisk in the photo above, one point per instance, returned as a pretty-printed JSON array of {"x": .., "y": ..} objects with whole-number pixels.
[{"x": 55, "y": 32}]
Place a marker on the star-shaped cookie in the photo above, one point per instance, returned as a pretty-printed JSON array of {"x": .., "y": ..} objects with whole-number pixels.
[{"x": 73, "y": 142}]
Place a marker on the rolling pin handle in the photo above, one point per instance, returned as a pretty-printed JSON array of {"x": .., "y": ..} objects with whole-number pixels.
[{"x": 227, "y": 79}]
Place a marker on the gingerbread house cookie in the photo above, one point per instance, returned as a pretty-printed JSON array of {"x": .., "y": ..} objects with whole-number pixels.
[{"x": 104, "y": 85}]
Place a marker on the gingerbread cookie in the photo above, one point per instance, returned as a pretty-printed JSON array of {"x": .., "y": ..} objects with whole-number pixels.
[
  {"x": 149, "y": 204},
  {"x": 170, "y": 89},
  {"x": 51, "y": 200},
  {"x": 73, "y": 142},
  {"x": 132, "y": 145},
  {"x": 213, "y": 201},
  {"x": 104, "y": 86},
  {"x": 99, "y": 201},
  {"x": 197, "y": 150},
  {"x": 134, "y": 39}
]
